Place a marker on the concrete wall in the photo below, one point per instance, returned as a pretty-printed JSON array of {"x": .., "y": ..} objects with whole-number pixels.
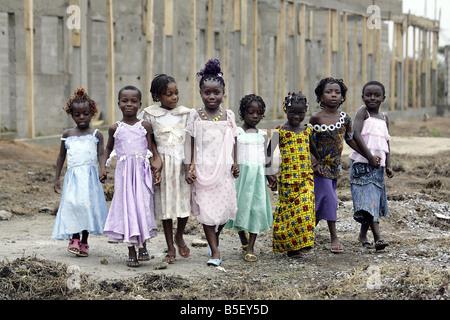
[{"x": 58, "y": 67}]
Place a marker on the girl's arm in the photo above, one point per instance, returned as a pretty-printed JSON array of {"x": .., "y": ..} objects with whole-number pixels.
[
  {"x": 358, "y": 144},
  {"x": 156, "y": 156},
  {"x": 313, "y": 149},
  {"x": 271, "y": 177},
  {"x": 110, "y": 145},
  {"x": 59, "y": 164},
  {"x": 235, "y": 167},
  {"x": 389, "y": 171},
  {"x": 189, "y": 166}
]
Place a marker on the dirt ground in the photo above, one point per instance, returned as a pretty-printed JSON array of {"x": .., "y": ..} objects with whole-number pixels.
[{"x": 414, "y": 266}]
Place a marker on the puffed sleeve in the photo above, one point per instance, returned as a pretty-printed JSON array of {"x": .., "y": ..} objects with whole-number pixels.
[{"x": 190, "y": 125}]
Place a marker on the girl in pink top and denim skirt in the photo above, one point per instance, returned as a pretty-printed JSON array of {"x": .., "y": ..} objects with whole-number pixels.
[{"x": 367, "y": 182}]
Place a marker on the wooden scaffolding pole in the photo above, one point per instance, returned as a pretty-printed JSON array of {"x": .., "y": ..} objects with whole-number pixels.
[
  {"x": 302, "y": 27},
  {"x": 393, "y": 67},
  {"x": 345, "y": 37},
  {"x": 414, "y": 71},
  {"x": 111, "y": 63},
  {"x": 406, "y": 65},
  {"x": 28, "y": 18},
  {"x": 328, "y": 36},
  {"x": 255, "y": 47},
  {"x": 193, "y": 51},
  {"x": 150, "y": 37},
  {"x": 210, "y": 31},
  {"x": 226, "y": 49}
]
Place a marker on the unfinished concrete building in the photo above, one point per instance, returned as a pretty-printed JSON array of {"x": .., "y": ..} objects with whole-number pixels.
[{"x": 268, "y": 47}]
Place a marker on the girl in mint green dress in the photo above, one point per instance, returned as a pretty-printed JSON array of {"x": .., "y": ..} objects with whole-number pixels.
[{"x": 254, "y": 213}]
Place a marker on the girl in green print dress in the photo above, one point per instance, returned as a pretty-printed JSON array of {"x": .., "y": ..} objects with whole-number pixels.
[{"x": 294, "y": 217}]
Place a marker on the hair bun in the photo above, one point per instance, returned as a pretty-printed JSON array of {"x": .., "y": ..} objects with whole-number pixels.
[
  {"x": 80, "y": 92},
  {"x": 212, "y": 67}
]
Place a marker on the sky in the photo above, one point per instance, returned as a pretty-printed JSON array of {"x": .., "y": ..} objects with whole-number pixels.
[{"x": 430, "y": 9}]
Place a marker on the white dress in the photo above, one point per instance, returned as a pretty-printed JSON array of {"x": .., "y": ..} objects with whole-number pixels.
[{"x": 172, "y": 196}]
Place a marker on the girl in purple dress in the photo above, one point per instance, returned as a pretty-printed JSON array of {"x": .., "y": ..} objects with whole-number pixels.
[{"x": 131, "y": 217}]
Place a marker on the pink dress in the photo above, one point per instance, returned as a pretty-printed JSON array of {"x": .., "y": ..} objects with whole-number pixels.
[
  {"x": 131, "y": 217},
  {"x": 213, "y": 199},
  {"x": 376, "y": 136}
]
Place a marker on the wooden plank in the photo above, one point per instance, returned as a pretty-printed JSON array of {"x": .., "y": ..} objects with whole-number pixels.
[
  {"x": 355, "y": 63},
  {"x": 291, "y": 18},
  {"x": 226, "y": 49},
  {"x": 168, "y": 17},
  {"x": 255, "y": 47},
  {"x": 335, "y": 30},
  {"x": 29, "y": 22},
  {"x": 328, "y": 42},
  {"x": 76, "y": 33},
  {"x": 210, "y": 40},
  {"x": 364, "y": 50},
  {"x": 302, "y": 27},
  {"x": 406, "y": 66},
  {"x": 276, "y": 103},
  {"x": 393, "y": 68},
  {"x": 283, "y": 48},
  {"x": 111, "y": 63},
  {"x": 237, "y": 14},
  {"x": 378, "y": 53},
  {"x": 414, "y": 71},
  {"x": 345, "y": 44},
  {"x": 150, "y": 35},
  {"x": 244, "y": 22},
  {"x": 193, "y": 52}
]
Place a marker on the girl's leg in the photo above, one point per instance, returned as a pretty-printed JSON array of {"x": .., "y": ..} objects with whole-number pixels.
[
  {"x": 213, "y": 240},
  {"x": 251, "y": 243},
  {"x": 132, "y": 258},
  {"x": 143, "y": 253},
  {"x": 168, "y": 233},
  {"x": 380, "y": 244},
  {"x": 182, "y": 247},
  {"x": 84, "y": 238},
  {"x": 336, "y": 245},
  {"x": 243, "y": 238}
]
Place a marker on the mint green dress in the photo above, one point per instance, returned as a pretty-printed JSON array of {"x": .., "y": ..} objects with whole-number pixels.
[{"x": 254, "y": 208}]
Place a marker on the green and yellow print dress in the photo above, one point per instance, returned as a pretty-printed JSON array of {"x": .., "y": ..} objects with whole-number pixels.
[{"x": 294, "y": 217}]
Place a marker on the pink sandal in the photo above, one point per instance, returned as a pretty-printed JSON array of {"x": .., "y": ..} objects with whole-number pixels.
[
  {"x": 84, "y": 250},
  {"x": 74, "y": 246}
]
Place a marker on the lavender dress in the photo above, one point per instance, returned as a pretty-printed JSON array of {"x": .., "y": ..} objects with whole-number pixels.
[{"x": 131, "y": 217}]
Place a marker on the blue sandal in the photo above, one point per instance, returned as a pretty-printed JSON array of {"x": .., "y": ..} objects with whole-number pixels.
[{"x": 214, "y": 262}]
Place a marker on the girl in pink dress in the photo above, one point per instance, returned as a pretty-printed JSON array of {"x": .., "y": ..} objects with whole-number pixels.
[
  {"x": 131, "y": 217},
  {"x": 367, "y": 182},
  {"x": 213, "y": 166}
]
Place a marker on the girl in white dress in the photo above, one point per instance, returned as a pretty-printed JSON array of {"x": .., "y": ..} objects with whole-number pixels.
[{"x": 172, "y": 196}]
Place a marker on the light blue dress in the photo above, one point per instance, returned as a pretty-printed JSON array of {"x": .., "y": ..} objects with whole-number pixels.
[
  {"x": 83, "y": 204},
  {"x": 254, "y": 208}
]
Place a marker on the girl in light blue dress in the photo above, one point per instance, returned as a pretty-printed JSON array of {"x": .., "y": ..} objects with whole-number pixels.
[
  {"x": 254, "y": 213},
  {"x": 82, "y": 209}
]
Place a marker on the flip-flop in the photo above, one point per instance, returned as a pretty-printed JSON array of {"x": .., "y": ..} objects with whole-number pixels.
[
  {"x": 250, "y": 257},
  {"x": 337, "y": 248},
  {"x": 184, "y": 250},
  {"x": 169, "y": 258},
  {"x": 214, "y": 262},
  {"x": 380, "y": 244},
  {"x": 244, "y": 248}
]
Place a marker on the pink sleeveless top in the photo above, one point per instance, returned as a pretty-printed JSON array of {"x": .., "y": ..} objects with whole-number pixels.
[{"x": 375, "y": 134}]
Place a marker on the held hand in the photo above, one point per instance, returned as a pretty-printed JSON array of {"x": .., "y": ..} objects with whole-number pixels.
[
  {"x": 57, "y": 187},
  {"x": 103, "y": 176},
  {"x": 389, "y": 173},
  {"x": 375, "y": 161},
  {"x": 272, "y": 179},
  {"x": 190, "y": 175},
  {"x": 317, "y": 168},
  {"x": 156, "y": 164},
  {"x": 235, "y": 170},
  {"x": 156, "y": 178}
]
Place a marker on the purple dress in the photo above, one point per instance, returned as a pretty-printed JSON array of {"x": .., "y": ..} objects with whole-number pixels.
[{"x": 131, "y": 217}]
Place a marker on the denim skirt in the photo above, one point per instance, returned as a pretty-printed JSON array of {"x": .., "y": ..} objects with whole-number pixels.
[{"x": 368, "y": 193}]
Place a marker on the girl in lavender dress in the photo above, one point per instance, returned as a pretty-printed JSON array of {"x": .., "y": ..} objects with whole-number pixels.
[
  {"x": 83, "y": 207},
  {"x": 131, "y": 217}
]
